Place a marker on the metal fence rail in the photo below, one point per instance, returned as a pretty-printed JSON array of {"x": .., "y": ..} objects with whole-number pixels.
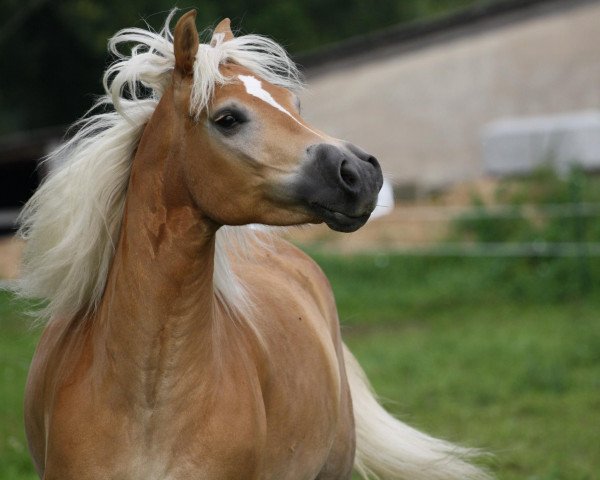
[
  {"x": 581, "y": 214},
  {"x": 489, "y": 249},
  {"x": 435, "y": 213}
]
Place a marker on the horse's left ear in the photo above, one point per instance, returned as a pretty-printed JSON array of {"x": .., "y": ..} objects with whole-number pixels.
[
  {"x": 222, "y": 32},
  {"x": 186, "y": 43}
]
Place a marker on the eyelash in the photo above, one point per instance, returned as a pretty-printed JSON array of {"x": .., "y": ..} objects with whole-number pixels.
[{"x": 228, "y": 121}]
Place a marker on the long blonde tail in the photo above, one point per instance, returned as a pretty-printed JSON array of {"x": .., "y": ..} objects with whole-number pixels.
[{"x": 388, "y": 449}]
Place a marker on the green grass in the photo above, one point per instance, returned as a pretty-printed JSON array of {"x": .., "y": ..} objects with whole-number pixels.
[
  {"x": 510, "y": 365},
  {"x": 17, "y": 343},
  {"x": 523, "y": 383},
  {"x": 455, "y": 347}
]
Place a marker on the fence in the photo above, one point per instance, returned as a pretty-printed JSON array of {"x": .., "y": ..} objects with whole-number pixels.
[{"x": 580, "y": 212}]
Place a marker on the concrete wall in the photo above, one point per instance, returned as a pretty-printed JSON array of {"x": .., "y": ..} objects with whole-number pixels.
[{"x": 421, "y": 111}]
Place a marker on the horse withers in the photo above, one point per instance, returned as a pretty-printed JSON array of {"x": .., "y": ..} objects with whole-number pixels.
[{"x": 182, "y": 343}]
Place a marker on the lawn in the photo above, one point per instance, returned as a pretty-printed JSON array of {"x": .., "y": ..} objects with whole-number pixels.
[
  {"x": 492, "y": 353},
  {"x": 17, "y": 342}
]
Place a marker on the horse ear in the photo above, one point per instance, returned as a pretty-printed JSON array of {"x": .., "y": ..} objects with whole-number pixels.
[
  {"x": 186, "y": 43},
  {"x": 222, "y": 32}
]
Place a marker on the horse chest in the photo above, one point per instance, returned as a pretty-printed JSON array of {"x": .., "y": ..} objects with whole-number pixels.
[
  {"x": 194, "y": 439},
  {"x": 230, "y": 426}
]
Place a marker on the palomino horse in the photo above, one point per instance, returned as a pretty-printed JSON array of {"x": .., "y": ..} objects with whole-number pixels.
[{"x": 182, "y": 344}]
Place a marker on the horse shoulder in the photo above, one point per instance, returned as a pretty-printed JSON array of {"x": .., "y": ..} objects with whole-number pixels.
[
  {"x": 294, "y": 278},
  {"x": 305, "y": 377}
]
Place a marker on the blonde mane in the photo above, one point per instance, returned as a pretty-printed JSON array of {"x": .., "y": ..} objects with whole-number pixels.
[{"x": 71, "y": 224}]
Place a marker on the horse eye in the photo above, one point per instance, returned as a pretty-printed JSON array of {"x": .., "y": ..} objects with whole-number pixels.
[{"x": 227, "y": 121}]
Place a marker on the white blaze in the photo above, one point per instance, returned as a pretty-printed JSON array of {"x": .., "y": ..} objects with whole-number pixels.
[
  {"x": 254, "y": 87},
  {"x": 385, "y": 201}
]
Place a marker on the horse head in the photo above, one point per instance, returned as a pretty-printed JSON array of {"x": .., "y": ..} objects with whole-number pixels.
[{"x": 247, "y": 155}]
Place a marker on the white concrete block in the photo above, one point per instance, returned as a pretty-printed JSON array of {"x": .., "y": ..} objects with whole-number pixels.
[
  {"x": 520, "y": 145},
  {"x": 385, "y": 201}
]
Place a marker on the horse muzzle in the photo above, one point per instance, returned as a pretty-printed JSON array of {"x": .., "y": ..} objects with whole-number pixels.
[{"x": 339, "y": 185}]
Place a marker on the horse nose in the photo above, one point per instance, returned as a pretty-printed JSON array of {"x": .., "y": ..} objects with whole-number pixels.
[
  {"x": 339, "y": 185},
  {"x": 348, "y": 175},
  {"x": 351, "y": 169},
  {"x": 363, "y": 156},
  {"x": 351, "y": 172}
]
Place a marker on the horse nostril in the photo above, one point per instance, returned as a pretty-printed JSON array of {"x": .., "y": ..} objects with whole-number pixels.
[
  {"x": 347, "y": 174},
  {"x": 373, "y": 161}
]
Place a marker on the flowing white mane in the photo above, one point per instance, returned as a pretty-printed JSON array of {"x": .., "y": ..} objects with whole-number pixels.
[{"x": 72, "y": 222}]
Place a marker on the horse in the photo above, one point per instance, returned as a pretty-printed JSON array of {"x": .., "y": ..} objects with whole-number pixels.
[{"x": 183, "y": 338}]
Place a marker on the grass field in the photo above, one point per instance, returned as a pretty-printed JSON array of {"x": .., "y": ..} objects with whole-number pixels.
[{"x": 483, "y": 352}]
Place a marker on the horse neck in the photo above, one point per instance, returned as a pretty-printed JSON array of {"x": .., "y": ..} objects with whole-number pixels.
[{"x": 158, "y": 307}]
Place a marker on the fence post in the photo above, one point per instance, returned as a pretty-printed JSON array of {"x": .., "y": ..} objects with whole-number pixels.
[{"x": 580, "y": 228}]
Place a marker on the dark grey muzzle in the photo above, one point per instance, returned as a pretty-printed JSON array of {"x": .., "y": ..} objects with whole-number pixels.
[{"x": 340, "y": 185}]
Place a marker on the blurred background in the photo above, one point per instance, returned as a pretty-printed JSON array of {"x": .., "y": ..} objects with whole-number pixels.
[{"x": 473, "y": 305}]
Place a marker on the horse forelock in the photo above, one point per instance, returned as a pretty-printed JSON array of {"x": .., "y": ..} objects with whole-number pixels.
[
  {"x": 152, "y": 59},
  {"x": 72, "y": 222}
]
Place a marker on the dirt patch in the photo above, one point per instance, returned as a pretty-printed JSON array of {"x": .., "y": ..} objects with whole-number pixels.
[
  {"x": 10, "y": 257},
  {"x": 399, "y": 229},
  {"x": 463, "y": 194},
  {"x": 418, "y": 223}
]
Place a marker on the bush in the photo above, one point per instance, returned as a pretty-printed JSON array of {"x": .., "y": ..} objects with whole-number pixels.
[{"x": 554, "y": 224}]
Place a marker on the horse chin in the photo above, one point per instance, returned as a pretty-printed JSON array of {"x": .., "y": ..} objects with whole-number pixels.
[
  {"x": 338, "y": 221},
  {"x": 346, "y": 227}
]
